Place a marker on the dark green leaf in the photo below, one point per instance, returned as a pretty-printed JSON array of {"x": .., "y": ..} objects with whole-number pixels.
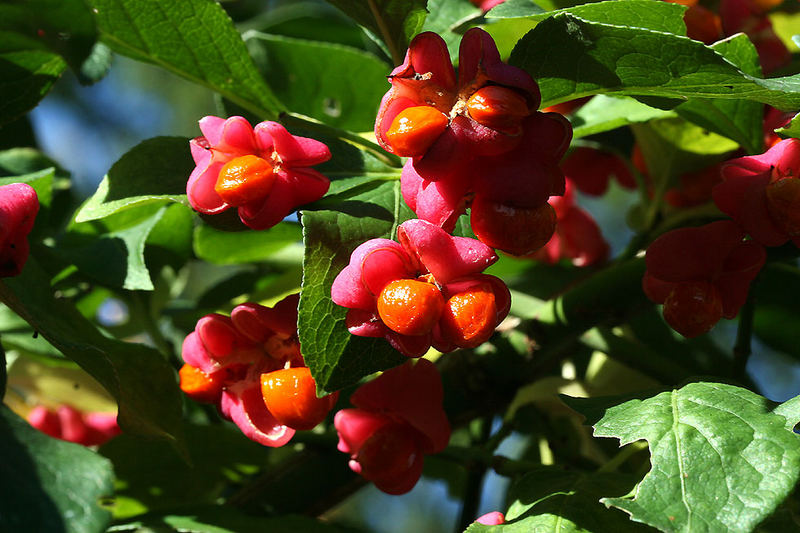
[
  {"x": 155, "y": 170},
  {"x": 337, "y": 358},
  {"x": 153, "y": 477},
  {"x": 48, "y": 484},
  {"x": 170, "y": 240},
  {"x": 227, "y": 247},
  {"x": 17, "y": 161},
  {"x": 739, "y": 120},
  {"x": 565, "y": 502},
  {"x": 776, "y": 308},
  {"x": 351, "y": 167},
  {"x": 571, "y": 57},
  {"x": 65, "y": 26},
  {"x": 27, "y": 72},
  {"x": 723, "y": 458},
  {"x": 192, "y": 38},
  {"x": 335, "y": 84},
  {"x": 394, "y": 21},
  {"x": 138, "y": 377},
  {"x": 217, "y": 519},
  {"x": 112, "y": 251}
]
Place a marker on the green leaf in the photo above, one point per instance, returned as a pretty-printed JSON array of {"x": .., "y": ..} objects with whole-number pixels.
[
  {"x": 170, "y": 240},
  {"x": 155, "y": 170},
  {"x": 336, "y": 84},
  {"x": 58, "y": 381},
  {"x": 672, "y": 147},
  {"x": 515, "y": 9},
  {"x": 448, "y": 18},
  {"x": 664, "y": 17},
  {"x": 395, "y": 21},
  {"x": 777, "y": 308},
  {"x": 27, "y": 72},
  {"x": 739, "y": 120},
  {"x": 48, "y": 484},
  {"x": 604, "y": 113},
  {"x": 792, "y": 129},
  {"x": 723, "y": 458},
  {"x": 337, "y": 358},
  {"x": 137, "y": 376},
  {"x": 66, "y": 27},
  {"x": 565, "y": 502},
  {"x": 571, "y": 57},
  {"x": 218, "y": 455},
  {"x": 231, "y": 247},
  {"x": 218, "y": 519},
  {"x": 351, "y": 167},
  {"x": 192, "y": 38},
  {"x": 112, "y": 251}
]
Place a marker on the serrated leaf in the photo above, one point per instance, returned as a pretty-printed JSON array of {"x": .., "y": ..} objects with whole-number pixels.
[
  {"x": 565, "y": 502},
  {"x": 137, "y": 376},
  {"x": 337, "y": 358},
  {"x": 27, "y": 72},
  {"x": 664, "y": 17},
  {"x": 335, "y": 84},
  {"x": 739, "y": 120},
  {"x": 604, "y": 113},
  {"x": 66, "y": 27},
  {"x": 571, "y": 57},
  {"x": 231, "y": 247},
  {"x": 723, "y": 458},
  {"x": 48, "y": 484},
  {"x": 194, "y": 39},
  {"x": 155, "y": 170},
  {"x": 395, "y": 21}
]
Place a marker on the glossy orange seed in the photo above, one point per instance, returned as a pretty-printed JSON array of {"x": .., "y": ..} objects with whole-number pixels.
[
  {"x": 692, "y": 308},
  {"x": 410, "y": 307},
  {"x": 290, "y": 394},
  {"x": 469, "y": 317},
  {"x": 498, "y": 108},
  {"x": 515, "y": 230},
  {"x": 415, "y": 129},
  {"x": 198, "y": 385},
  {"x": 783, "y": 203},
  {"x": 244, "y": 179}
]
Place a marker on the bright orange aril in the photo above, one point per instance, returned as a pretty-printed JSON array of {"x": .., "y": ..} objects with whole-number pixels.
[
  {"x": 516, "y": 230},
  {"x": 415, "y": 129},
  {"x": 469, "y": 317},
  {"x": 498, "y": 108},
  {"x": 244, "y": 179},
  {"x": 198, "y": 385},
  {"x": 783, "y": 203},
  {"x": 692, "y": 308},
  {"x": 290, "y": 394},
  {"x": 410, "y": 307}
]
